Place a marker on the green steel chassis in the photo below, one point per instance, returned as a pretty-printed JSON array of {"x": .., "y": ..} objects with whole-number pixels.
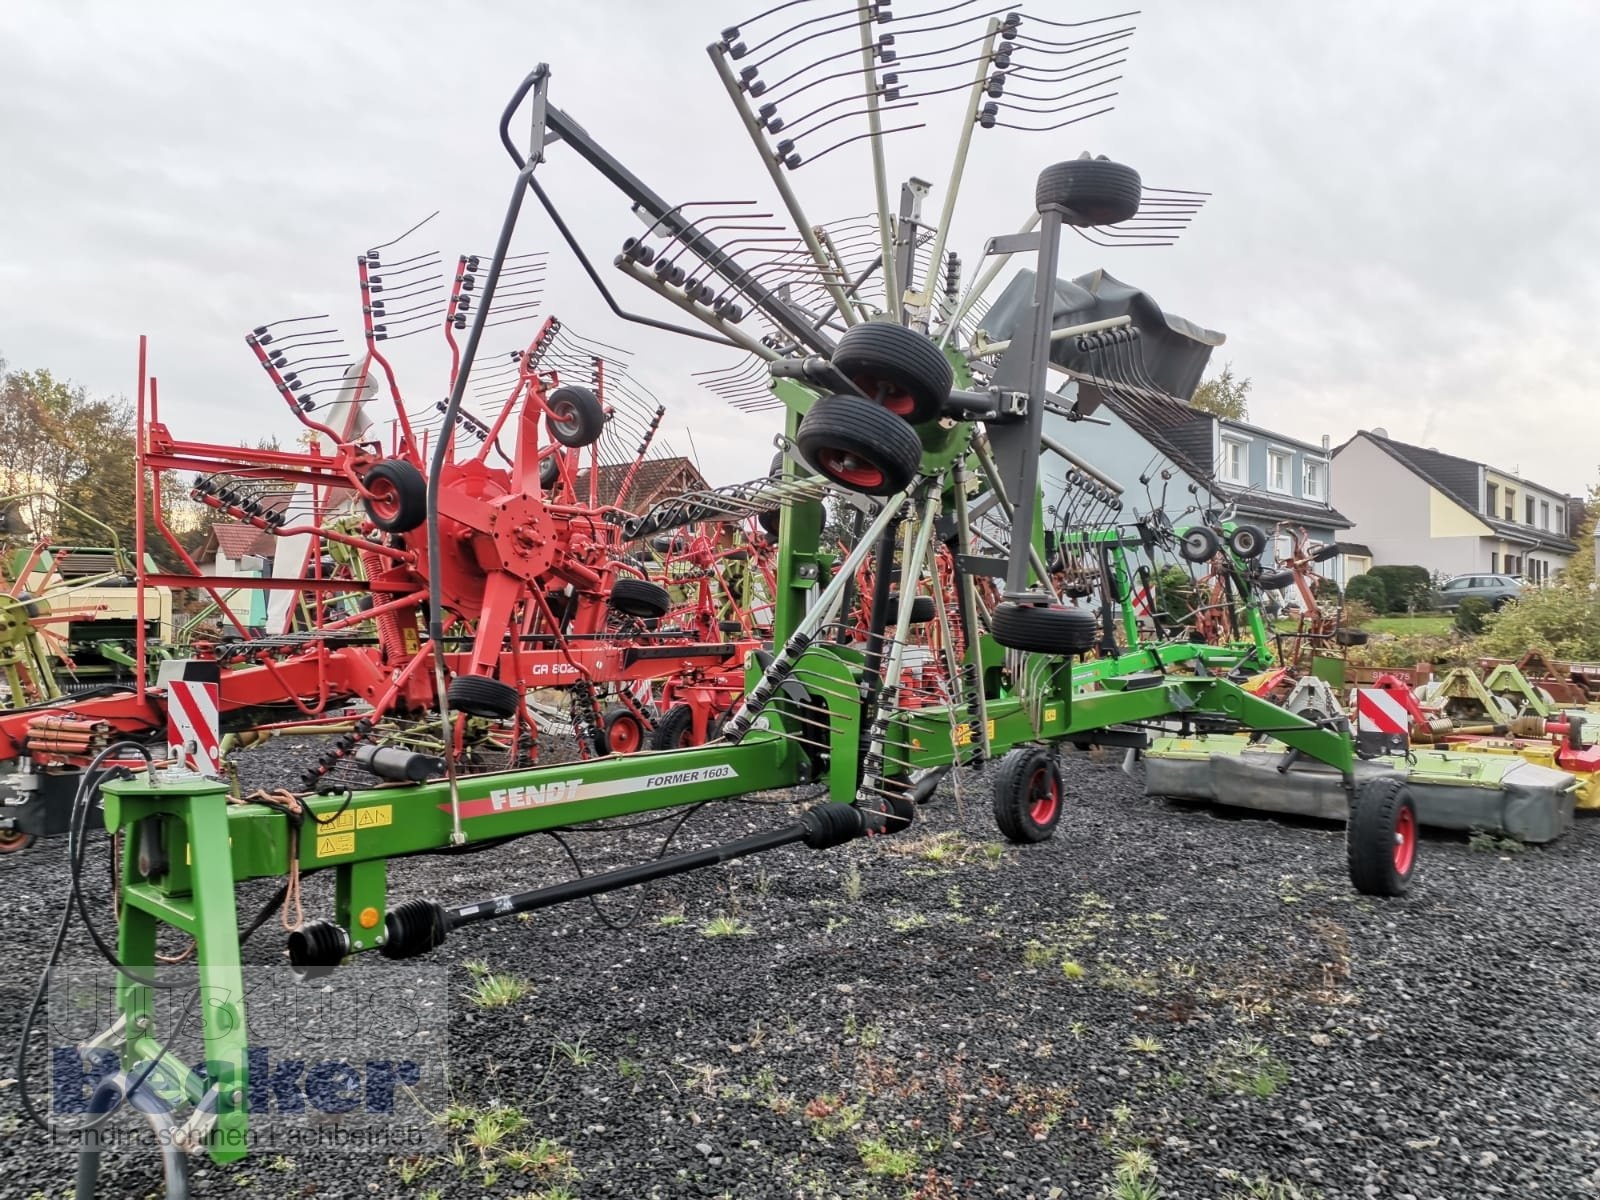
[{"x": 186, "y": 845}]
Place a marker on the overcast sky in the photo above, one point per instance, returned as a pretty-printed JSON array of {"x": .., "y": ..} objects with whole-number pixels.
[{"x": 1403, "y": 230}]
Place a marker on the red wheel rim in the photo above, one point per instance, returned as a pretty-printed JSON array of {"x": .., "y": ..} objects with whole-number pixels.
[
  {"x": 1044, "y": 796},
  {"x": 1405, "y": 841},
  {"x": 891, "y": 396},
  {"x": 625, "y": 735},
  {"x": 384, "y": 499},
  {"x": 12, "y": 841},
  {"x": 847, "y": 468}
]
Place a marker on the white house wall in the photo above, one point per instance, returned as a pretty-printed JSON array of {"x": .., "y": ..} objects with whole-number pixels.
[{"x": 1392, "y": 508}]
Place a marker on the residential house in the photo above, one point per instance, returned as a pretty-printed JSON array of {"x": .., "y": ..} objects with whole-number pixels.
[
  {"x": 656, "y": 479},
  {"x": 1272, "y": 480},
  {"x": 1453, "y": 515}
]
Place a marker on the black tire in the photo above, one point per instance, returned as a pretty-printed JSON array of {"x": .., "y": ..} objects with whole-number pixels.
[
  {"x": 769, "y": 521},
  {"x": 1089, "y": 191},
  {"x": 859, "y": 445},
  {"x": 399, "y": 500},
  {"x": 1247, "y": 541},
  {"x": 623, "y": 731},
  {"x": 1381, "y": 837},
  {"x": 1273, "y": 580},
  {"x": 575, "y": 416},
  {"x": 1045, "y": 629},
  {"x": 549, "y": 471},
  {"x": 12, "y": 842},
  {"x": 480, "y": 696},
  {"x": 1028, "y": 795},
  {"x": 1497, "y": 605},
  {"x": 640, "y": 598},
  {"x": 896, "y": 367},
  {"x": 1350, "y": 637},
  {"x": 922, "y": 610},
  {"x": 1326, "y": 552},
  {"x": 1198, "y": 545},
  {"x": 675, "y": 730},
  {"x": 730, "y": 626}
]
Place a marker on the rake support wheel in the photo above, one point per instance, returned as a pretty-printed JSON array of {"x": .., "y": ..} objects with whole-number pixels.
[
  {"x": 860, "y": 445},
  {"x": 576, "y": 417},
  {"x": 1198, "y": 545},
  {"x": 1089, "y": 191},
  {"x": 1045, "y": 628},
  {"x": 480, "y": 696},
  {"x": 640, "y": 598},
  {"x": 398, "y": 500},
  {"x": 1381, "y": 837},
  {"x": 1247, "y": 541},
  {"x": 1028, "y": 795},
  {"x": 675, "y": 730},
  {"x": 624, "y": 732},
  {"x": 897, "y": 367}
]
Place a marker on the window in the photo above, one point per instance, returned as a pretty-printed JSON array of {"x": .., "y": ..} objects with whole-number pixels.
[
  {"x": 1492, "y": 501},
  {"x": 1561, "y": 520},
  {"x": 1530, "y": 510},
  {"x": 1277, "y": 471},
  {"x": 1233, "y": 461},
  {"x": 1455, "y": 585},
  {"x": 1315, "y": 472},
  {"x": 1494, "y": 561},
  {"x": 1511, "y": 504},
  {"x": 1544, "y": 514}
]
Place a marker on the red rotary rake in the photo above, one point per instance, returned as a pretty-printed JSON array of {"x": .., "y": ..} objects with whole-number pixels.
[{"x": 537, "y": 586}]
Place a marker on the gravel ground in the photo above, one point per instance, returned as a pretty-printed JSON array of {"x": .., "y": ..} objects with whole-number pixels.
[{"x": 1160, "y": 1002}]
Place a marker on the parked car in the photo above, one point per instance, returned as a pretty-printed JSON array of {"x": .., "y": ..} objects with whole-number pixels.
[{"x": 1498, "y": 590}]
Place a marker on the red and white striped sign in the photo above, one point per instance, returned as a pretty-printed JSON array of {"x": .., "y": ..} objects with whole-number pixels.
[
  {"x": 192, "y": 727},
  {"x": 1381, "y": 711},
  {"x": 1142, "y": 602}
]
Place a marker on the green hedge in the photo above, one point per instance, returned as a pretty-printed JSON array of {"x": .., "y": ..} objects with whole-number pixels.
[
  {"x": 1370, "y": 590},
  {"x": 1409, "y": 589}
]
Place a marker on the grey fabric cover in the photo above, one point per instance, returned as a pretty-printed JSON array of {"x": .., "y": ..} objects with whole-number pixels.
[{"x": 1175, "y": 351}]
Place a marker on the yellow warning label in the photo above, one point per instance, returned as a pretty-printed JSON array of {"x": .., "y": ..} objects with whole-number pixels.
[
  {"x": 962, "y": 736},
  {"x": 330, "y": 845},
  {"x": 372, "y": 818},
  {"x": 411, "y": 641},
  {"x": 1050, "y": 714},
  {"x": 341, "y": 823},
  {"x": 991, "y": 730}
]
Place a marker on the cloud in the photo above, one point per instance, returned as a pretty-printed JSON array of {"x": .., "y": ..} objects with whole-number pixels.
[{"x": 1398, "y": 233}]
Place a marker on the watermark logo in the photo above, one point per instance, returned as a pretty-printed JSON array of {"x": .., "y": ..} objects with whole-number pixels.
[{"x": 356, "y": 1059}]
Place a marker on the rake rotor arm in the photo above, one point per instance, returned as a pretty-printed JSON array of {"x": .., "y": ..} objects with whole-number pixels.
[{"x": 551, "y": 124}]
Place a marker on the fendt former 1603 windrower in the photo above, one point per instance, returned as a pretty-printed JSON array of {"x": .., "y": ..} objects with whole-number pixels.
[{"x": 913, "y": 410}]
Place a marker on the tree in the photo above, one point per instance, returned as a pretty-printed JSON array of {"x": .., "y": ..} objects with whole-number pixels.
[
  {"x": 1225, "y": 396},
  {"x": 71, "y": 451},
  {"x": 1580, "y": 572}
]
